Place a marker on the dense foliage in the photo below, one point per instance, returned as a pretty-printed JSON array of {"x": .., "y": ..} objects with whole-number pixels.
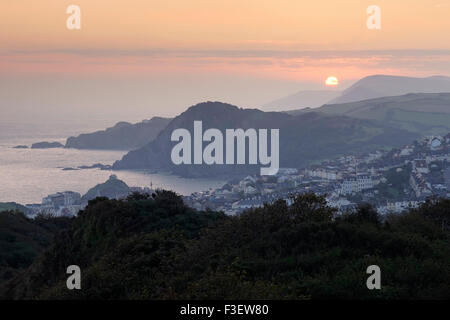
[
  {"x": 23, "y": 239},
  {"x": 157, "y": 248},
  {"x": 397, "y": 180}
]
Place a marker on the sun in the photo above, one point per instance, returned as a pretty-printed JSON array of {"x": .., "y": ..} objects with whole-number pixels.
[{"x": 332, "y": 81}]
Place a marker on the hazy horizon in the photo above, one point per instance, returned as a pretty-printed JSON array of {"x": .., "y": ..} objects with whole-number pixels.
[{"x": 134, "y": 60}]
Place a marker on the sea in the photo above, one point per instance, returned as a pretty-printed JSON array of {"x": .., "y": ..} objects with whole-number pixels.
[{"x": 28, "y": 175}]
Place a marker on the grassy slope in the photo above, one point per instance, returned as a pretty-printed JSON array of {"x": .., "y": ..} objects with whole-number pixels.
[{"x": 423, "y": 113}]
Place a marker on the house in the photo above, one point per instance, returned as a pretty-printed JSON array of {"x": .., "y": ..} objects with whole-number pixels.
[
  {"x": 250, "y": 190},
  {"x": 435, "y": 143},
  {"x": 420, "y": 186},
  {"x": 401, "y": 206},
  {"x": 420, "y": 166},
  {"x": 356, "y": 185},
  {"x": 406, "y": 151},
  {"x": 247, "y": 204}
]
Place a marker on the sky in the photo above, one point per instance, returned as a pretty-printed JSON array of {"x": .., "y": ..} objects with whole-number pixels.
[{"x": 135, "y": 59}]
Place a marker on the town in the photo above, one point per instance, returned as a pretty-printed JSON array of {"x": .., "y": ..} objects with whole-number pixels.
[
  {"x": 69, "y": 203},
  {"x": 390, "y": 180}
]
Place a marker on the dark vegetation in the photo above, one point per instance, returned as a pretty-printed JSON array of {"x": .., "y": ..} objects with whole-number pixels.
[
  {"x": 157, "y": 248},
  {"x": 22, "y": 240},
  {"x": 13, "y": 206},
  {"x": 397, "y": 180}
]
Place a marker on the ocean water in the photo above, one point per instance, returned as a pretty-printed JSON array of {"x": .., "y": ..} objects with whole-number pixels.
[{"x": 28, "y": 175}]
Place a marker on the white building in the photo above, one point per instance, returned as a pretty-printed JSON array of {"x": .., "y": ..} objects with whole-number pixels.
[
  {"x": 420, "y": 166},
  {"x": 401, "y": 206},
  {"x": 357, "y": 185},
  {"x": 420, "y": 186},
  {"x": 323, "y": 174},
  {"x": 406, "y": 151}
]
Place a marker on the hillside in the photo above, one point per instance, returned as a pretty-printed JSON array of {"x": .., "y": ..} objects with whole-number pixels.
[
  {"x": 157, "y": 248},
  {"x": 377, "y": 86},
  {"x": 303, "y": 99},
  {"x": 113, "y": 188},
  {"x": 423, "y": 113},
  {"x": 123, "y": 136},
  {"x": 23, "y": 239},
  {"x": 304, "y": 138}
]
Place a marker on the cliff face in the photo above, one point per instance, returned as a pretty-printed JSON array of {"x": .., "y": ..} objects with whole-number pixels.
[
  {"x": 303, "y": 138},
  {"x": 123, "y": 136}
]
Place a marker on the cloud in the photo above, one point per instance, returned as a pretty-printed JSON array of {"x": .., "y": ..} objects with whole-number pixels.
[
  {"x": 226, "y": 53},
  {"x": 288, "y": 65}
]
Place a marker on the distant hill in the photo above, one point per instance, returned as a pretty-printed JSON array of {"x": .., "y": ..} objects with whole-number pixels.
[
  {"x": 46, "y": 145},
  {"x": 377, "y": 86},
  {"x": 424, "y": 113},
  {"x": 303, "y": 99},
  {"x": 304, "y": 138},
  {"x": 123, "y": 136},
  {"x": 370, "y": 87},
  {"x": 113, "y": 188}
]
